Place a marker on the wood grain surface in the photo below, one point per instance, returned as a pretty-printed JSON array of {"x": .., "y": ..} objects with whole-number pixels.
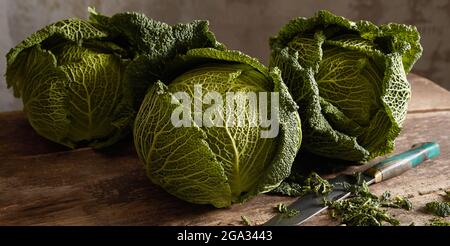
[{"x": 42, "y": 183}]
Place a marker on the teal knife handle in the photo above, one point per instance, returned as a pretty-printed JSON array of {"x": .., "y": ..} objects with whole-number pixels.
[{"x": 398, "y": 164}]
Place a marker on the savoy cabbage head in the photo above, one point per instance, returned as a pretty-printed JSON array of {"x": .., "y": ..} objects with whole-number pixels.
[
  {"x": 81, "y": 81},
  {"x": 349, "y": 80},
  {"x": 216, "y": 165}
]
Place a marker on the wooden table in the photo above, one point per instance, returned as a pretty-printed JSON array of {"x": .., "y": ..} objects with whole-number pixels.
[{"x": 42, "y": 183}]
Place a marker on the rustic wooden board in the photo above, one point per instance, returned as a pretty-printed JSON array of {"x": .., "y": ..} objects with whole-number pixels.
[
  {"x": 42, "y": 183},
  {"x": 427, "y": 96}
]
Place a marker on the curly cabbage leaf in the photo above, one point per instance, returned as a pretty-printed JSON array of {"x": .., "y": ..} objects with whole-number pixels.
[
  {"x": 217, "y": 165},
  {"x": 155, "y": 45},
  {"x": 81, "y": 81},
  {"x": 349, "y": 80}
]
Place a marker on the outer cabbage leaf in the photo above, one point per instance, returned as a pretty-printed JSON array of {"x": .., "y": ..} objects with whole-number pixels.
[
  {"x": 156, "y": 44},
  {"x": 349, "y": 79},
  {"x": 216, "y": 165},
  {"x": 178, "y": 159}
]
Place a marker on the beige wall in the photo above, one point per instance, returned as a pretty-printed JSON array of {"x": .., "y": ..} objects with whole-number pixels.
[{"x": 241, "y": 24}]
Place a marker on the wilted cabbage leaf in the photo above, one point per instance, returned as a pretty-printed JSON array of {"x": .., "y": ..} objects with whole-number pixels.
[
  {"x": 349, "y": 80},
  {"x": 215, "y": 165},
  {"x": 81, "y": 81}
]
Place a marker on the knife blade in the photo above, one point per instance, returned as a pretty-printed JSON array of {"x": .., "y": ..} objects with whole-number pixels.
[{"x": 311, "y": 204}]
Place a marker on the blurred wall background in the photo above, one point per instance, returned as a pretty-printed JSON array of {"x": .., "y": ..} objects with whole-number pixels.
[{"x": 240, "y": 24}]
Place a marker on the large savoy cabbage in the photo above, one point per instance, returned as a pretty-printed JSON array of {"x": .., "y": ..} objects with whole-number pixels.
[
  {"x": 349, "y": 80},
  {"x": 216, "y": 165}
]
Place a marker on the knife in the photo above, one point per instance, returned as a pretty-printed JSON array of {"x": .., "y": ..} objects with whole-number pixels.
[{"x": 311, "y": 204}]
